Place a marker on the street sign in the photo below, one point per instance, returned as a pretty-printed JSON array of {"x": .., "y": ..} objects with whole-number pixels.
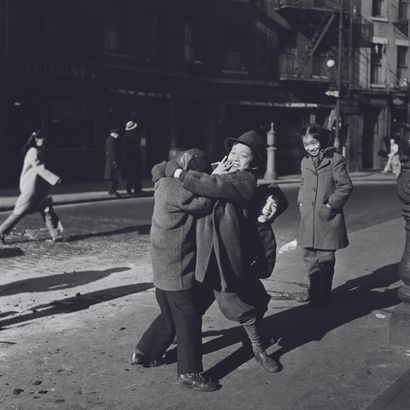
[{"x": 332, "y": 93}]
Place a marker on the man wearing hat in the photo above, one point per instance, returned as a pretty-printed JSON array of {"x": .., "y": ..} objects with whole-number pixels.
[
  {"x": 112, "y": 170},
  {"x": 131, "y": 158}
]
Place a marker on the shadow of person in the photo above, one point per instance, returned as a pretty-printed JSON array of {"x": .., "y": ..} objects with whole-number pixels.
[
  {"x": 57, "y": 282},
  {"x": 141, "y": 229},
  {"x": 10, "y": 252},
  {"x": 76, "y": 303},
  {"x": 299, "y": 325}
]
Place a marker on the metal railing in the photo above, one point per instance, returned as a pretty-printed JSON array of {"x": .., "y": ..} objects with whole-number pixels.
[
  {"x": 325, "y": 5},
  {"x": 295, "y": 67}
]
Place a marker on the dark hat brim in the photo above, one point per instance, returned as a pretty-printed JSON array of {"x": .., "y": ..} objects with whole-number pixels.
[{"x": 230, "y": 141}]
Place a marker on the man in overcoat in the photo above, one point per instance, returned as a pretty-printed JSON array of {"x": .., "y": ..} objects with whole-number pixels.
[
  {"x": 131, "y": 158},
  {"x": 112, "y": 170}
]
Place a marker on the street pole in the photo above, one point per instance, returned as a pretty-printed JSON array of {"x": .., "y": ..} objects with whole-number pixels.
[
  {"x": 270, "y": 173},
  {"x": 339, "y": 76},
  {"x": 400, "y": 318}
]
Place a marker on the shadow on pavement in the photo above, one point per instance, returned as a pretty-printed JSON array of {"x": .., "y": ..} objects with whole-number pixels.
[
  {"x": 57, "y": 282},
  {"x": 10, "y": 252},
  {"x": 300, "y": 325},
  {"x": 141, "y": 229},
  {"x": 39, "y": 236},
  {"x": 76, "y": 303}
]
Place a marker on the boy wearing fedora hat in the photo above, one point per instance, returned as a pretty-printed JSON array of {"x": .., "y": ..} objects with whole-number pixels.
[{"x": 223, "y": 257}]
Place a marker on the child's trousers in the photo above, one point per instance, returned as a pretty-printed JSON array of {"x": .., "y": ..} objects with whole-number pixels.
[{"x": 320, "y": 265}]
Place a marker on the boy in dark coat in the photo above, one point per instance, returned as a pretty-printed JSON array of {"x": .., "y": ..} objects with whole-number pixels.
[
  {"x": 325, "y": 188},
  {"x": 173, "y": 252}
]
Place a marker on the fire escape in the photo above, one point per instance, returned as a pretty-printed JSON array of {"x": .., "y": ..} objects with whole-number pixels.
[{"x": 326, "y": 29}]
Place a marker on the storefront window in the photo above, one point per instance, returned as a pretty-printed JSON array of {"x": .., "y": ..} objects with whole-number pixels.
[{"x": 69, "y": 125}]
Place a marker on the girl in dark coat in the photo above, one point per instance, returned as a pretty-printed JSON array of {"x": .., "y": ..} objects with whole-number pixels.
[
  {"x": 325, "y": 188},
  {"x": 223, "y": 257}
]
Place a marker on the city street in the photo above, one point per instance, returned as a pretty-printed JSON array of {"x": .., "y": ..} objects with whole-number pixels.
[{"x": 70, "y": 313}]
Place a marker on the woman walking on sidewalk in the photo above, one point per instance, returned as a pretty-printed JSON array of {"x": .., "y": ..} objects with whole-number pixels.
[
  {"x": 35, "y": 182},
  {"x": 325, "y": 188}
]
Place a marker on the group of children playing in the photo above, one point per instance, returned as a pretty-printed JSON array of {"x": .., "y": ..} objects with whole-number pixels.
[{"x": 212, "y": 240}]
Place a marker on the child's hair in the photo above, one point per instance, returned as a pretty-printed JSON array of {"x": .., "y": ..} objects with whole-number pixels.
[
  {"x": 317, "y": 132},
  {"x": 31, "y": 141}
]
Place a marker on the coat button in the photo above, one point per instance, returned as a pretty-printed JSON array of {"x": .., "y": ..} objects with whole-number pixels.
[
  {"x": 313, "y": 203},
  {"x": 314, "y": 189}
]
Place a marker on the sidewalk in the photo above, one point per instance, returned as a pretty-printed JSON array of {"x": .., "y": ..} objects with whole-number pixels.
[
  {"x": 97, "y": 191},
  {"x": 79, "y": 338}
]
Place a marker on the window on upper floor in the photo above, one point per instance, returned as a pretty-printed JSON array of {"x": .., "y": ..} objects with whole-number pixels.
[
  {"x": 111, "y": 39},
  {"x": 158, "y": 36},
  {"x": 266, "y": 48},
  {"x": 376, "y": 64},
  {"x": 402, "y": 56},
  {"x": 377, "y": 8},
  {"x": 402, "y": 64},
  {"x": 235, "y": 47},
  {"x": 402, "y": 10},
  {"x": 194, "y": 42}
]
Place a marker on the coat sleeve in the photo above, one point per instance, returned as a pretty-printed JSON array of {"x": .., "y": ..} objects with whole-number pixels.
[
  {"x": 185, "y": 201},
  {"x": 37, "y": 164},
  {"x": 236, "y": 188},
  {"x": 195, "y": 205},
  {"x": 343, "y": 183},
  {"x": 301, "y": 185}
]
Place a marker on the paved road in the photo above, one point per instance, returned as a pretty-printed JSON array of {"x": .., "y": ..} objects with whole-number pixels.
[
  {"x": 69, "y": 313},
  {"x": 369, "y": 204}
]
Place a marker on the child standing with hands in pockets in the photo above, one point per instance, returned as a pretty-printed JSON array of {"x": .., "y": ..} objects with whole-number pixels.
[{"x": 324, "y": 190}]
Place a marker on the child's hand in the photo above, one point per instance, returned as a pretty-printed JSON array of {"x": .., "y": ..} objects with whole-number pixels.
[
  {"x": 269, "y": 210},
  {"x": 223, "y": 166}
]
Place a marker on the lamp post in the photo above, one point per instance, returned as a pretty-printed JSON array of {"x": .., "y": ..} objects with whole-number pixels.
[
  {"x": 331, "y": 63},
  {"x": 270, "y": 173},
  {"x": 400, "y": 319}
]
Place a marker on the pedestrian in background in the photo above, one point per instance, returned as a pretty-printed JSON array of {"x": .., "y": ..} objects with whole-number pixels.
[
  {"x": 325, "y": 188},
  {"x": 35, "y": 182},
  {"x": 393, "y": 159},
  {"x": 112, "y": 169},
  {"x": 131, "y": 158}
]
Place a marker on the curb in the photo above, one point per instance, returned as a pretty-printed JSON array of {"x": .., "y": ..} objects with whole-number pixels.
[
  {"x": 82, "y": 198},
  {"x": 87, "y": 197}
]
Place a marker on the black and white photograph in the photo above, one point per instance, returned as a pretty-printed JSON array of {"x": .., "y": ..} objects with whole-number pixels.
[{"x": 204, "y": 204}]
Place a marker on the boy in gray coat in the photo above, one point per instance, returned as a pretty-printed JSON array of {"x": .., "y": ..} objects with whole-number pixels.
[{"x": 173, "y": 252}]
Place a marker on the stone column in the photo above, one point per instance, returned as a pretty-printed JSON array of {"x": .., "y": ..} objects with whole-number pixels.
[
  {"x": 400, "y": 319},
  {"x": 270, "y": 173}
]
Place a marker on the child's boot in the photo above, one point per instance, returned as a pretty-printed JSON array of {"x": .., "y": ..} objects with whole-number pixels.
[{"x": 259, "y": 351}]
